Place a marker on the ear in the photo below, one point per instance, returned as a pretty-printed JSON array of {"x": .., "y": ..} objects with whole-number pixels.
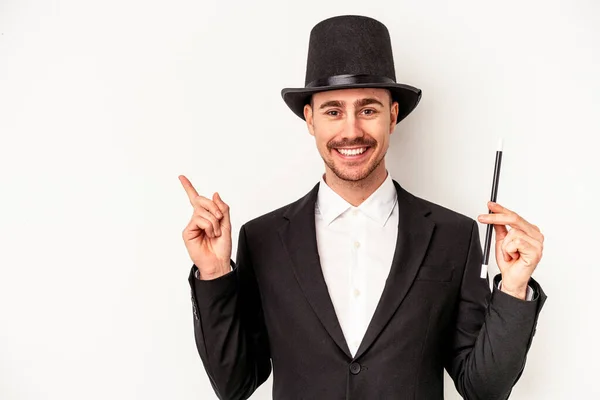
[
  {"x": 308, "y": 116},
  {"x": 393, "y": 116}
]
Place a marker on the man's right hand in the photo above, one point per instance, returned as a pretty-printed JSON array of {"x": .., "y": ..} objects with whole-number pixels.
[{"x": 208, "y": 235}]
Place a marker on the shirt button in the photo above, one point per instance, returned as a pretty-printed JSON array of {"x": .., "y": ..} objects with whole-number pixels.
[
  {"x": 355, "y": 212},
  {"x": 355, "y": 368},
  {"x": 356, "y": 292},
  {"x": 357, "y": 244}
]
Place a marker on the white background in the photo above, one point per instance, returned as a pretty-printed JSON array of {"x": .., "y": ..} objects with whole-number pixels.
[{"x": 104, "y": 104}]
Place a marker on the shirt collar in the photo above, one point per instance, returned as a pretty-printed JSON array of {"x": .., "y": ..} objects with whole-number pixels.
[{"x": 378, "y": 206}]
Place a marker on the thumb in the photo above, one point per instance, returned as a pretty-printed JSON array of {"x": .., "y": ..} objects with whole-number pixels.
[
  {"x": 501, "y": 252},
  {"x": 500, "y": 231},
  {"x": 224, "y": 208}
]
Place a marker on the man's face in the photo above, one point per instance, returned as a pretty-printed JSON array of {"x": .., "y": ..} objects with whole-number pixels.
[{"x": 352, "y": 129}]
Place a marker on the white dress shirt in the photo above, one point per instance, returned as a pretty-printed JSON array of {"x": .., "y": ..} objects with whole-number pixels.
[{"x": 356, "y": 246}]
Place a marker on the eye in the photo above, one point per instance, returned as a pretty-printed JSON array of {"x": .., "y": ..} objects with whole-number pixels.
[
  {"x": 332, "y": 111},
  {"x": 369, "y": 111}
]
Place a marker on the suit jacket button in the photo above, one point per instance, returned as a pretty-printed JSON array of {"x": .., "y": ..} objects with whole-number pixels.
[{"x": 355, "y": 368}]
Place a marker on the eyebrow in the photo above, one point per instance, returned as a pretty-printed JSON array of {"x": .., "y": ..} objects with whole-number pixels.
[{"x": 357, "y": 103}]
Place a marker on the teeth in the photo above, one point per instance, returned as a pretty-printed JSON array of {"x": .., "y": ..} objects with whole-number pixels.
[{"x": 352, "y": 152}]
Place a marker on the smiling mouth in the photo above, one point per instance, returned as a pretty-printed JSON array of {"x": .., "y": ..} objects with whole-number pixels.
[{"x": 352, "y": 152}]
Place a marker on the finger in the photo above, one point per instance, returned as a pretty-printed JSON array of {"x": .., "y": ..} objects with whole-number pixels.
[
  {"x": 500, "y": 249},
  {"x": 189, "y": 188},
  {"x": 534, "y": 247},
  {"x": 532, "y": 244},
  {"x": 513, "y": 248},
  {"x": 497, "y": 208},
  {"x": 500, "y": 231},
  {"x": 194, "y": 226},
  {"x": 532, "y": 240},
  {"x": 517, "y": 220},
  {"x": 201, "y": 212},
  {"x": 518, "y": 233},
  {"x": 224, "y": 208},
  {"x": 501, "y": 235},
  {"x": 527, "y": 251},
  {"x": 509, "y": 255},
  {"x": 201, "y": 202},
  {"x": 504, "y": 216},
  {"x": 205, "y": 225}
]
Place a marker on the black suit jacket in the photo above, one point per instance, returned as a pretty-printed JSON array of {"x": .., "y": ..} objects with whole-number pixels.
[{"x": 273, "y": 313}]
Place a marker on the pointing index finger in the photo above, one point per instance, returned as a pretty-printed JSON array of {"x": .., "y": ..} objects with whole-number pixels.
[{"x": 189, "y": 188}]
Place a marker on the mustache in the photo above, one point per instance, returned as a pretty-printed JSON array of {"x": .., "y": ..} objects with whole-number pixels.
[{"x": 362, "y": 142}]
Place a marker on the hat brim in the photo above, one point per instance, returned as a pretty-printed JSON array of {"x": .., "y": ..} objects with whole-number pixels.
[{"x": 407, "y": 96}]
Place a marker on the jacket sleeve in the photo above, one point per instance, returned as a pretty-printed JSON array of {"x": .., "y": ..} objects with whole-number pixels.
[
  {"x": 492, "y": 333},
  {"x": 229, "y": 328}
]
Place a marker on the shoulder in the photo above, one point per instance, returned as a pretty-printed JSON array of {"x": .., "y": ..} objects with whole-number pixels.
[
  {"x": 272, "y": 220},
  {"x": 444, "y": 214},
  {"x": 268, "y": 220},
  {"x": 441, "y": 215},
  {"x": 453, "y": 232}
]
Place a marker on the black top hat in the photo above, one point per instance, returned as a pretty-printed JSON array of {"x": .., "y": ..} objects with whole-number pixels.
[{"x": 350, "y": 51}]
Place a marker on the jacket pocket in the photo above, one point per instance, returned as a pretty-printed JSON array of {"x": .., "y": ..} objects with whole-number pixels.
[{"x": 436, "y": 273}]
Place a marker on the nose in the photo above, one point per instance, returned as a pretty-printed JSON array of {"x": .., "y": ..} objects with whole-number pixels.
[{"x": 352, "y": 128}]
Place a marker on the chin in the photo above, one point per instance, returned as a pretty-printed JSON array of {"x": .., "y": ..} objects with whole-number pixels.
[
  {"x": 351, "y": 174},
  {"x": 354, "y": 173}
]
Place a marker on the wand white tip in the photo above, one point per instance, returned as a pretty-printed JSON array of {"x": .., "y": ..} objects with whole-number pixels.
[
  {"x": 484, "y": 271},
  {"x": 500, "y": 144}
]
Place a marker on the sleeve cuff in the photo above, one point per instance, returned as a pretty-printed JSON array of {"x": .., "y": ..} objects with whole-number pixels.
[
  {"x": 529, "y": 295},
  {"x": 197, "y": 272},
  {"x": 206, "y": 292}
]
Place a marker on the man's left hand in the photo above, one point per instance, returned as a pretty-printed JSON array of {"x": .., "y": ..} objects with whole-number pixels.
[{"x": 518, "y": 251}]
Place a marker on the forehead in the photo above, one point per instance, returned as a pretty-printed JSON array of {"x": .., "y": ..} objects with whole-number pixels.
[{"x": 350, "y": 95}]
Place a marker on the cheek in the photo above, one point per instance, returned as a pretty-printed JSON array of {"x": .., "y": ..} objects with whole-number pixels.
[
  {"x": 322, "y": 146},
  {"x": 378, "y": 130},
  {"x": 324, "y": 136},
  {"x": 321, "y": 143}
]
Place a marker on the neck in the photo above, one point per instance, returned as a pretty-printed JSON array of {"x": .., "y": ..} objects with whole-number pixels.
[{"x": 355, "y": 192}]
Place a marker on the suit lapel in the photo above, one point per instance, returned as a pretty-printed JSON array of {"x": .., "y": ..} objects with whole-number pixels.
[
  {"x": 414, "y": 234},
  {"x": 300, "y": 240}
]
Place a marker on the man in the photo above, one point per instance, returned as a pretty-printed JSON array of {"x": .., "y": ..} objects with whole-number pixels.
[{"x": 359, "y": 290}]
